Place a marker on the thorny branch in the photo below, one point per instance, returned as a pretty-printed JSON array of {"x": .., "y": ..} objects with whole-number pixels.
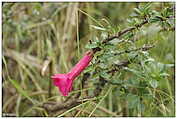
[{"x": 120, "y": 33}]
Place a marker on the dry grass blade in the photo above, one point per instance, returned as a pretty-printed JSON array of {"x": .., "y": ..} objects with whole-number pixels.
[{"x": 24, "y": 58}]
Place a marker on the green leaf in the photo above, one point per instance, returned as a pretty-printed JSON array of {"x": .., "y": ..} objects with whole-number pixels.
[
  {"x": 117, "y": 75},
  {"x": 147, "y": 6},
  {"x": 95, "y": 76},
  {"x": 118, "y": 81},
  {"x": 104, "y": 75},
  {"x": 98, "y": 28},
  {"x": 137, "y": 11},
  {"x": 154, "y": 19},
  {"x": 133, "y": 81},
  {"x": 149, "y": 60},
  {"x": 109, "y": 46},
  {"x": 138, "y": 73},
  {"x": 89, "y": 69},
  {"x": 164, "y": 74},
  {"x": 133, "y": 15},
  {"x": 102, "y": 65},
  {"x": 153, "y": 83},
  {"x": 106, "y": 57}
]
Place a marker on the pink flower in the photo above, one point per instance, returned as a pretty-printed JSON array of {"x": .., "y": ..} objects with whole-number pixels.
[{"x": 64, "y": 81}]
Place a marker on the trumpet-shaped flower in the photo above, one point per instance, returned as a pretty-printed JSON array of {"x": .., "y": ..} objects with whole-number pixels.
[{"x": 64, "y": 81}]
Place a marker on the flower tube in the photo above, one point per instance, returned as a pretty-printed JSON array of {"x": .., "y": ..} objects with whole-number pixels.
[{"x": 64, "y": 81}]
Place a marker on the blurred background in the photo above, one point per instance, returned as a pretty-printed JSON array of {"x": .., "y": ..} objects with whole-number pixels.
[{"x": 36, "y": 34}]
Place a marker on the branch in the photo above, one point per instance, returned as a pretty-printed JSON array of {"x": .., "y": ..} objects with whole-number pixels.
[
  {"x": 55, "y": 106},
  {"x": 120, "y": 33}
]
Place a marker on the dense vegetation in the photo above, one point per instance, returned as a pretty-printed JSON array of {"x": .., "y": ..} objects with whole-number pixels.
[{"x": 131, "y": 74}]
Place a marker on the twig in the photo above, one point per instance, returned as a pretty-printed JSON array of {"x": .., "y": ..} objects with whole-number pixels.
[
  {"x": 55, "y": 106},
  {"x": 123, "y": 63},
  {"x": 50, "y": 81},
  {"x": 167, "y": 29},
  {"x": 59, "y": 106},
  {"x": 120, "y": 33}
]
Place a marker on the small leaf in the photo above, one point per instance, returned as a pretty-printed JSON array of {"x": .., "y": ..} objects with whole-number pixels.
[
  {"x": 147, "y": 6},
  {"x": 117, "y": 81},
  {"x": 104, "y": 75},
  {"x": 154, "y": 19},
  {"x": 102, "y": 65},
  {"x": 138, "y": 73},
  {"x": 149, "y": 60},
  {"x": 153, "y": 83},
  {"x": 89, "y": 69},
  {"x": 133, "y": 81},
  {"x": 164, "y": 74},
  {"x": 95, "y": 76},
  {"x": 106, "y": 57},
  {"x": 109, "y": 46},
  {"x": 98, "y": 28},
  {"x": 137, "y": 11}
]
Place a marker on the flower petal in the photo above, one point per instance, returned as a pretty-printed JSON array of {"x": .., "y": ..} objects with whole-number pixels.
[{"x": 63, "y": 82}]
